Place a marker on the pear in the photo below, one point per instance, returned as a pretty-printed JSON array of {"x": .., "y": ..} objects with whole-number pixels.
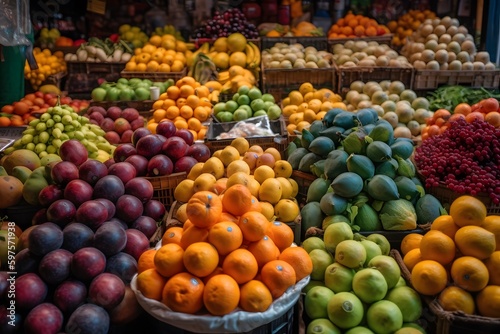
[{"x": 33, "y": 185}]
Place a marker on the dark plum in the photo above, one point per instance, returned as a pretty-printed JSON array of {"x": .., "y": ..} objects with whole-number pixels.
[
  {"x": 166, "y": 128},
  {"x": 44, "y": 318},
  {"x": 50, "y": 194},
  {"x": 175, "y": 147},
  {"x": 140, "y": 188},
  {"x": 122, "y": 265},
  {"x": 45, "y": 238},
  {"x": 106, "y": 290},
  {"x": 186, "y": 135},
  {"x": 87, "y": 263},
  {"x": 73, "y": 151},
  {"x": 54, "y": 267},
  {"x": 92, "y": 213},
  {"x": 110, "y": 206},
  {"x": 129, "y": 208},
  {"x": 146, "y": 225},
  {"x": 77, "y": 236},
  {"x": 109, "y": 187},
  {"x": 69, "y": 295},
  {"x": 184, "y": 164},
  {"x": 64, "y": 171},
  {"x": 88, "y": 319},
  {"x": 139, "y": 133},
  {"x": 137, "y": 243},
  {"x": 26, "y": 262},
  {"x": 154, "y": 209},
  {"x": 92, "y": 170},
  {"x": 123, "y": 151},
  {"x": 61, "y": 212},
  {"x": 114, "y": 112},
  {"x": 124, "y": 170},
  {"x": 199, "y": 151},
  {"x": 31, "y": 290},
  {"x": 160, "y": 165},
  {"x": 128, "y": 310},
  {"x": 78, "y": 191},
  {"x": 148, "y": 146},
  {"x": 140, "y": 164},
  {"x": 110, "y": 238}
]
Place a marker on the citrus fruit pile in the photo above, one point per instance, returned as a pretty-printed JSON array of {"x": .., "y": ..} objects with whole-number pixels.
[
  {"x": 407, "y": 24},
  {"x": 186, "y": 104},
  {"x": 307, "y": 104},
  {"x": 458, "y": 260},
  {"x": 352, "y": 25},
  {"x": 230, "y": 252},
  {"x": 48, "y": 64},
  {"x": 356, "y": 285}
]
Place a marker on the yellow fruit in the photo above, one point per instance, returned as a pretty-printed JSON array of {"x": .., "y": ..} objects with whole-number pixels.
[
  {"x": 475, "y": 241},
  {"x": 236, "y": 42},
  {"x": 467, "y": 210},
  {"x": 237, "y": 58},
  {"x": 214, "y": 166},
  {"x": 270, "y": 190},
  {"x": 286, "y": 210}
]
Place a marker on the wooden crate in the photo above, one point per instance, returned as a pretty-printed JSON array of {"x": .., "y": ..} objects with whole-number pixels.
[
  {"x": 86, "y": 67},
  {"x": 164, "y": 187},
  {"x": 347, "y": 75},
  {"x": 319, "y": 42},
  {"x": 290, "y": 79},
  {"x": 382, "y": 39},
  {"x": 155, "y": 76},
  {"x": 432, "y": 79}
]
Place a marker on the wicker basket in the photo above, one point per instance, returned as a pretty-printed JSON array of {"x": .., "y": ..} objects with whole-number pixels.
[
  {"x": 451, "y": 322},
  {"x": 319, "y": 42},
  {"x": 432, "y": 79},
  {"x": 155, "y": 76},
  {"x": 164, "y": 187},
  {"x": 347, "y": 75}
]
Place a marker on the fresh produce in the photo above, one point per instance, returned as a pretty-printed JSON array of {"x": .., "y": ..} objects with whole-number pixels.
[
  {"x": 466, "y": 242},
  {"x": 393, "y": 102},
  {"x": 133, "y": 89},
  {"x": 369, "y": 170},
  {"x": 161, "y": 54},
  {"x": 186, "y": 104},
  {"x": 203, "y": 69},
  {"x": 448, "y": 97},
  {"x": 49, "y": 64},
  {"x": 168, "y": 151},
  {"x": 286, "y": 56},
  {"x": 301, "y": 113},
  {"x": 225, "y": 23},
  {"x": 357, "y": 284},
  {"x": 407, "y": 24},
  {"x": 168, "y": 30},
  {"x": 444, "y": 44},
  {"x": 45, "y": 136},
  {"x": 106, "y": 51},
  {"x": 133, "y": 35},
  {"x": 352, "y": 25},
  {"x": 362, "y": 53},
  {"x": 118, "y": 124},
  {"x": 464, "y": 158},
  {"x": 232, "y": 79},
  {"x": 32, "y": 105},
  {"x": 247, "y": 103},
  {"x": 302, "y": 29},
  {"x": 47, "y": 38}
]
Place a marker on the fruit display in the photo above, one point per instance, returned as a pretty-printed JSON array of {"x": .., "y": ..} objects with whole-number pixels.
[
  {"x": 286, "y": 56},
  {"x": 79, "y": 258},
  {"x": 133, "y": 89},
  {"x": 307, "y": 104},
  {"x": 49, "y": 64},
  {"x": 356, "y": 286},
  {"x": 449, "y": 97},
  {"x": 444, "y": 44},
  {"x": 45, "y": 135},
  {"x": 234, "y": 78},
  {"x": 407, "y": 23},
  {"x": 47, "y": 38},
  {"x": 187, "y": 104},
  {"x": 168, "y": 29},
  {"x": 32, "y": 105},
  {"x": 362, "y": 53},
  {"x": 407, "y": 113},
  {"x": 225, "y": 23},
  {"x": 133, "y": 35},
  {"x": 474, "y": 144},
  {"x": 169, "y": 150},
  {"x": 97, "y": 51},
  {"x": 369, "y": 169},
  {"x": 162, "y": 54},
  {"x": 203, "y": 68},
  {"x": 302, "y": 29},
  {"x": 457, "y": 260},
  {"x": 247, "y": 103},
  {"x": 352, "y": 25},
  {"x": 119, "y": 124}
]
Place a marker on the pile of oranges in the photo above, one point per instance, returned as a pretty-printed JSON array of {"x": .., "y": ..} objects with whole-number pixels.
[
  {"x": 407, "y": 24},
  {"x": 48, "y": 64},
  {"x": 186, "y": 104},
  {"x": 161, "y": 54},
  {"x": 227, "y": 255},
  {"x": 458, "y": 260},
  {"x": 486, "y": 110},
  {"x": 352, "y": 25}
]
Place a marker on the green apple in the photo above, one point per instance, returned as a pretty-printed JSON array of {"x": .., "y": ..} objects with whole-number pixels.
[
  {"x": 98, "y": 94},
  {"x": 316, "y": 301},
  {"x": 322, "y": 326},
  {"x": 231, "y": 106},
  {"x": 268, "y": 97},
  {"x": 268, "y": 104},
  {"x": 219, "y": 107},
  {"x": 260, "y": 112},
  {"x": 384, "y": 317},
  {"x": 274, "y": 112},
  {"x": 235, "y": 97},
  {"x": 123, "y": 81},
  {"x": 257, "y": 104},
  {"x": 254, "y": 93},
  {"x": 243, "y": 100},
  {"x": 134, "y": 81},
  {"x": 248, "y": 110},
  {"x": 243, "y": 90},
  {"x": 240, "y": 115},
  {"x": 142, "y": 93},
  {"x": 225, "y": 116}
]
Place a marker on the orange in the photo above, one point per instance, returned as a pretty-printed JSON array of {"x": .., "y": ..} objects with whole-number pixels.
[
  {"x": 186, "y": 111},
  {"x": 221, "y": 295},
  {"x": 173, "y": 92},
  {"x": 409, "y": 242},
  {"x": 254, "y": 225},
  {"x": 437, "y": 246},
  {"x": 169, "y": 260},
  {"x": 183, "y": 293},
  {"x": 193, "y": 234},
  {"x": 237, "y": 199},
  {"x": 488, "y": 301},
  {"x": 146, "y": 260},
  {"x": 264, "y": 250},
  {"x": 493, "y": 265},
  {"x": 225, "y": 236},
  {"x": 454, "y": 298},
  {"x": 446, "y": 225},
  {"x": 172, "y": 235},
  {"x": 493, "y": 117},
  {"x": 255, "y": 205},
  {"x": 150, "y": 283},
  {"x": 469, "y": 273},
  {"x": 299, "y": 259},
  {"x": 492, "y": 223},
  {"x": 201, "y": 259},
  {"x": 475, "y": 241},
  {"x": 429, "y": 277},
  {"x": 467, "y": 210},
  {"x": 186, "y": 90},
  {"x": 241, "y": 265},
  {"x": 255, "y": 297},
  {"x": 201, "y": 113},
  {"x": 278, "y": 276},
  {"x": 204, "y": 209},
  {"x": 281, "y": 233},
  {"x": 462, "y": 108}
]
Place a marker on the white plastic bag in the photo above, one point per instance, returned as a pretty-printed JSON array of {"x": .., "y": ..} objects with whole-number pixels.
[{"x": 15, "y": 22}]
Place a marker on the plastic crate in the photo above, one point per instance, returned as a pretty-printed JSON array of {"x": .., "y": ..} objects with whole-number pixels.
[
  {"x": 382, "y": 39},
  {"x": 347, "y": 75},
  {"x": 86, "y": 67},
  {"x": 290, "y": 79},
  {"x": 155, "y": 76},
  {"x": 450, "y": 322},
  {"x": 164, "y": 187},
  {"x": 280, "y": 141},
  {"x": 319, "y": 42},
  {"x": 432, "y": 79}
]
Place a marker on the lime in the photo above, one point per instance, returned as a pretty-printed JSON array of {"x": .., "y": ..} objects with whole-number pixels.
[
  {"x": 243, "y": 100},
  {"x": 372, "y": 249},
  {"x": 381, "y": 241},
  {"x": 259, "y": 113},
  {"x": 268, "y": 98},
  {"x": 235, "y": 97},
  {"x": 243, "y": 90},
  {"x": 219, "y": 107},
  {"x": 254, "y": 93},
  {"x": 257, "y": 104},
  {"x": 240, "y": 114},
  {"x": 231, "y": 106},
  {"x": 312, "y": 284},
  {"x": 316, "y": 300}
]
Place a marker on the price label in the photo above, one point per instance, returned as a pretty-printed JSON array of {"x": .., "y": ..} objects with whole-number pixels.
[{"x": 97, "y": 6}]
